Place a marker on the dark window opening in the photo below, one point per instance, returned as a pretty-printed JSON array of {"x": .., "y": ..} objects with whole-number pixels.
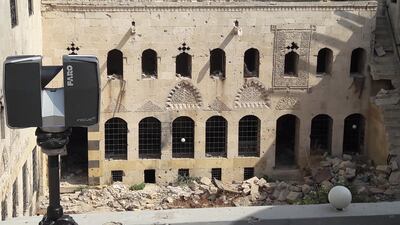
[
  {"x": 291, "y": 64},
  {"x": 74, "y": 165},
  {"x": 217, "y": 63},
  {"x": 15, "y": 199},
  {"x": 184, "y": 65},
  {"x": 25, "y": 193},
  {"x": 150, "y": 176},
  {"x": 249, "y": 136},
  {"x": 358, "y": 59},
  {"x": 116, "y": 139},
  {"x": 353, "y": 140},
  {"x": 149, "y": 63},
  {"x": 321, "y": 134},
  {"x": 150, "y": 138},
  {"x": 115, "y": 63},
  {"x": 30, "y": 7},
  {"x": 248, "y": 173},
  {"x": 183, "y": 172},
  {"x": 251, "y": 63},
  {"x": 4, "y": 212},
  {"x": 216, "y": 173},
  {"x": 13, "y": 13},
  {"x": 394, "y": 1},
  {"x": 286, "y": 138},
  {"x": 183, "y": 138},
  {"x": 324, "y": 61},
  {"x": 117, "y": 175},
  {"x": 216, "y": 134}
]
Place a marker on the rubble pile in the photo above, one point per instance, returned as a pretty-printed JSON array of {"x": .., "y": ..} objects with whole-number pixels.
[{"x": 367, "y": 183}]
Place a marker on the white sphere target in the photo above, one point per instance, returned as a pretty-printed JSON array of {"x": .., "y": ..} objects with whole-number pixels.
[
  {"x": 183, "y": 140},
  {"x": 354, "y": 126},
  {"x": 339, "y": 197}
]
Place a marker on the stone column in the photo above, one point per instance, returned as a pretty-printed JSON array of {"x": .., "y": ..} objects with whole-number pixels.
[{"x": 337, "y": 136}]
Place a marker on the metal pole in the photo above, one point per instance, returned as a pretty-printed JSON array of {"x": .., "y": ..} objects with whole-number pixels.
[{"x": 54, "y": 211}]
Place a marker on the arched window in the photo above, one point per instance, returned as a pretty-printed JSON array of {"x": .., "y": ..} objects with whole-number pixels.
[
  {"x": 216, "y": 134},
  {"x": 115, "y": 63},
  {"x": 249, "y": 136},
  {"x": 116, "y": 139},
  {"x": 183, "y": 137},
  {"x": 353, "y": 135},
  {"x": 291, "y": 64},
  {"x": 149, "y": 63},
  {"x": 321, "y": 134},
  {"x": 358, "y": 60},
  {"x": 286, "y": 140},
  {"x": 217, "y": 63},
  {"x": 184, "y": 65},
  {"x": 251, "y": 63},
  {"x": 324, "y": 61},
  {"x": 150, "y": 138}
]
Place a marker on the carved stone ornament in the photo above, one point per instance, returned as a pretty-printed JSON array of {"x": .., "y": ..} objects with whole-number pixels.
[
  {"x": 114, "y": 107},
  {"x": 288, "y": 103},
  {"x": 218, "y": 105},
  {"x": 184, "y": 96},
  {"x": 252, "y": 94},
  {"x": 291, "y": 40},
  {"x": 149, "y": 106}
]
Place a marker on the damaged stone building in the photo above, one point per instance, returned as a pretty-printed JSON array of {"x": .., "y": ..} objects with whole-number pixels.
[
  {"x": 20, "y": 159},
  {"x": 223, "y": 89}
]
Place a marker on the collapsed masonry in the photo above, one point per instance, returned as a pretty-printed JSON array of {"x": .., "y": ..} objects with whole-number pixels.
[{"x": 367, "y": 183}]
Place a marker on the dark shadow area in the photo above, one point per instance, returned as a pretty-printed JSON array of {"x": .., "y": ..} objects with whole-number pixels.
[
  {"x": 321, "y": 134},
  {"x": 353, "y": 135},
  {"x": 74, "y": 166},
  {"x": 217, "y": 63},
  {"x": 115, "y": 63},
  {"x": 324, "y": 61},
  {"x": 149, "y": 63},
  {"x": 286, "y": 138},
  {"x": 150, "y": 176},
  {"x": 291, "y": 64},
  {"x": 184, "y": 65},
  {"x": 251, "y": 63}
]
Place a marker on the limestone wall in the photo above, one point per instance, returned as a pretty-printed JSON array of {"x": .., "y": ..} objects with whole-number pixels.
[
  {"x": 19, "y": 185},
  {"x": 164, "y": 27}
]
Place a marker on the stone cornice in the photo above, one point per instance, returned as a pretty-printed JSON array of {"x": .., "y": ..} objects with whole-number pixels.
[{"x": 144, "y": 6}]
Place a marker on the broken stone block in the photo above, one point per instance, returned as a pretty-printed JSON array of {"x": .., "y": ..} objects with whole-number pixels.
[
  {"x": 254, "y": 192},
  {"x": 282, "y": 195},
  {"x": 295, "y": 188},
  {"x": 394, "y": 178},
  {"x": 350, "y": 173},
  {"x": 394, "y": 166},
  {"x": 380, "y": 51},
  {"x": 375, "y": 190},
  {"x": 347, "y": 164},
  {"x": 241, "y": 201},
  {"x": 362, "y": 190},
  {"x": 261, "y": 182},
  {"x": 383, "y": 168},
  {"x": 205, "y": 181},
  {"x": 325, "y": 163},
  {"x": 293, "y": 196},
  {"x": 305, "y": 188},
  {"x": 347, "y": 157},
  {"x": 323, "y": 174},
  {"x": 252, "y": 180},
  {"x": 326, "y": 185}
]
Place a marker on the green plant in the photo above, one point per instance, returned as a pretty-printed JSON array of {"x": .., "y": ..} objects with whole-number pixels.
[
  {"x": 137, "y": 187},
  {"x": 186, "y": 180}
]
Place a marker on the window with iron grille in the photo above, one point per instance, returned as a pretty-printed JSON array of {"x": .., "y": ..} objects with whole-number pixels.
[
  {"x": 13, "y": 11},
  {"x": 149, "y": 63},
  {"x": 115, "y": 63},
  {"x": 251, "y": 63},
  {"x": 321, "y": 131},
  {"x": 217, "y": 63},
  {"x": 249, "y": 136},
  {"x": 30, "y": 7},
  {"x": 117, "y": 175},
  {"x": 183, "y": 137},
  {"x": 183, "y": 172},
  {"x": 116, "y": 139},
  {"x": 150, "y": 138},
  {"x": 248, "y": 172},
  {"x": 216, "y": 173},
  {"x": 216, "y": 133}
]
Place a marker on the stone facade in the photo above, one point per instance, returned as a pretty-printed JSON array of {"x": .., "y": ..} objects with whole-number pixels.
[
  {"x": 274, "y": 29},
  {"x": 20, "y": 160}
]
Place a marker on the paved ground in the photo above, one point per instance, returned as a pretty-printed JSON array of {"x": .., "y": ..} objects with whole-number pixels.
[{"x": 384, "y": 213}]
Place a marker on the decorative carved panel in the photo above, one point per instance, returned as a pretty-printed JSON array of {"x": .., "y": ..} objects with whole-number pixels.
[
  {"x": 149, "y": 106},
  {"x": 289, "y": 39},
  {"x": 288, "y": 103},
  {"x": 218, "y": 105},
  {"x": 184, "y": 96},
  {"x": 252, "y": 94}
]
